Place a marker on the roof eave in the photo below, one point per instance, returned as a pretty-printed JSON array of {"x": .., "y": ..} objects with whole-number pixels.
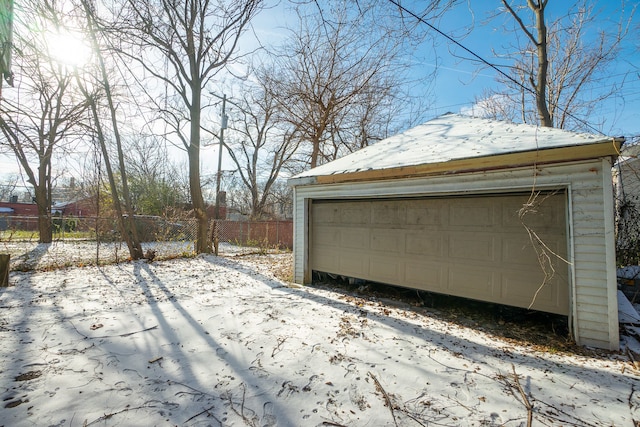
[
  {"x": 604, "y": 148},
  {"x": 303, "y": 180}
]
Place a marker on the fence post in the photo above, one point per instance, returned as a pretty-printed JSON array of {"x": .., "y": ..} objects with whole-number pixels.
[{"x": 4, "y": 270}]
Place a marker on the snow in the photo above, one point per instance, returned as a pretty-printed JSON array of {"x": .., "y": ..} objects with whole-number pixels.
[
  {"x": 626, "y": 311},
  {"x": 220, "y": 341},
  {"x": 30, "y": 255},
  {"x": 451, "y": 137},
  {"x": 629, "y": 272}
]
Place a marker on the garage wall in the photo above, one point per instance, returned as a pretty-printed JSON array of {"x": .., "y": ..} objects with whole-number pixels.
[{"x": 592, "y": 254}]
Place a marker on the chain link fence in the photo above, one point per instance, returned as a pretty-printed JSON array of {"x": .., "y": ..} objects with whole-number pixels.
[{"x": 97, "y": 240}]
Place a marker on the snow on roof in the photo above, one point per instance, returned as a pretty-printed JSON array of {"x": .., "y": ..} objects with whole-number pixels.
[
  {"x": 6, "y": 210},
  {"x": 62, "y": 205},
  {"x": 452, "y": 137}
]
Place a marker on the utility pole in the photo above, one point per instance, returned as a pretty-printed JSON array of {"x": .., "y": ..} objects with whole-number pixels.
[{"x": 223, "y": 126}]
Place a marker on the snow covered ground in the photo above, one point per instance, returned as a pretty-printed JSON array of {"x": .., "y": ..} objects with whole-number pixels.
[
  {"x": 30, "y": 255},
  {"x": 221, "y": 341}
]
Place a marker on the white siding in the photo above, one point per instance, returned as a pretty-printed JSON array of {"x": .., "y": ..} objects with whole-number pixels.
[{"x": 595, "y": 319}]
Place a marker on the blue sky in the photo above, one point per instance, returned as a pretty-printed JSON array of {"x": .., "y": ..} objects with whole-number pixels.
[{"x": 458, "y": 82}]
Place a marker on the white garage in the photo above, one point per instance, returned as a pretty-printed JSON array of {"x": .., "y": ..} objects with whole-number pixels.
[{"x": 512, "y": 214}]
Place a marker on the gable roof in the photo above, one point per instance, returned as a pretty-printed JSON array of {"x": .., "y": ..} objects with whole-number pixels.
[{"x": 453, "y": 143}]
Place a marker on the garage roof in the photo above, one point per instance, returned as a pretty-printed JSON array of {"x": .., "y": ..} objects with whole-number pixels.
[{"x": 453, "y": 143}]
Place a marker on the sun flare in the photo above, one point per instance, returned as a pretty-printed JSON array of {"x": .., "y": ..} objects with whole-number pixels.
[{"x": 69, "y": 49}]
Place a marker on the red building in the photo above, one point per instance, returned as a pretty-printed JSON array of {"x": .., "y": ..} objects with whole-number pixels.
[
  {"x": 19, "y": 209},
  {"x": 78, "y": 208}
]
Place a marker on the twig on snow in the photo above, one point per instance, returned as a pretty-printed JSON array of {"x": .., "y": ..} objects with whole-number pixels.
[
  {"x": 634, "y": 363},
  {"x": 525, "y": 399},
  {"x": 112, "y": 336},
  {"x": 277, "y": 348},
  {"x": 228, "y": 395},
  {"x": 156, "y": 359},
  {"x": 551, "y": 416},
  {"x": 194, "y": 390},
  {"x": 414, "y": 418},
  {"x": 244, "y": 392},
  {"x": 462, "y": 404},
  {"x": 386, "y": 397},
  {"x": 204, "y": 411},
  {"x": 107, "y": 416}
]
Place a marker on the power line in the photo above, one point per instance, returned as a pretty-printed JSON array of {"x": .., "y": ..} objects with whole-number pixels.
[{"x": 484, "y": 61}]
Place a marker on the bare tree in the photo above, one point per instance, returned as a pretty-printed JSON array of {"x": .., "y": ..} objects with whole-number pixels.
[
  {"x": 556, "y": 63},
  {"x": 338, "y": 80},
  {"x": 183, "y": 45},
  {"x": 281, "y": 199},
  {"x": 42, "y": 116},
  {"x": 8, "y": 187},
  {"x": 260, "y": 146},
  {"x": 155, "y": 182},
  {"x": 90, "y": 86}
]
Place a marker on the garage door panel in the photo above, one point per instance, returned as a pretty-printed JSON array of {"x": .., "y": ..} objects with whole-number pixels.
[
  {"x": 544, "y": 220},
  {"x": 389, "y": 214},
  {"x": 424, "y": 215},
  {"x": 520, "y": 251},
  {"x": 517, "y": 251},
  {"x": 425, "y": 275},
  {"x": 328, "y": 237},
  {"x": 324, "y": 259},
  {"x": 353, "y": 264},
  {"x": 325, "y": 213},
  {"x": 473, "y": 246},
  {"x": 509, "y": 219},
  {"x": 354, "y": 238},
  {"x": 510, "y": 212},
  {"x": 425, "y": 244},
  {"x": 546, "y": 211},
  {"x": 471, "y": 214},
  {"x": 542, "y": 228},
  {"x": 386, "y": 241},
  {"x": 472, "y": 282},
  {"x": 532, "y": 289},
  {"x": 355, "y": 214},
  {"x": 387, "y": 270}
]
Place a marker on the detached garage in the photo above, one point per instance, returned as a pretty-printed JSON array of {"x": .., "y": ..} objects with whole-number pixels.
[{"x": 512, "y": 214}]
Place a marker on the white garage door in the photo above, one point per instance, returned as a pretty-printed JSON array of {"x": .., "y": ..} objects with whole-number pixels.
[{"x": 475, "y": 247}]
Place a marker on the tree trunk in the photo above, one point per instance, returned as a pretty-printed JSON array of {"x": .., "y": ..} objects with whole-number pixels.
[
  {"x": 543, "y": 65},
  {"x": 44, "y": 224},
  {"x": 126, "y": 223},
  {"x": 43, "y": 201},
  {"x": 4, "y": 270},
  {"x": 203, "y": 243},
  {"x": 315, "y": 152}
]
